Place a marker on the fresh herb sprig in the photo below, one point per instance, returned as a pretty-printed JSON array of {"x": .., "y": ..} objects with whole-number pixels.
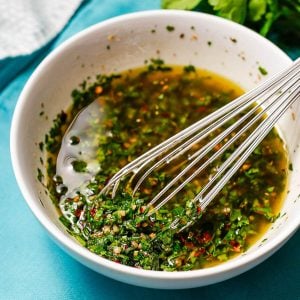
[{"x": 260, "y": 15}]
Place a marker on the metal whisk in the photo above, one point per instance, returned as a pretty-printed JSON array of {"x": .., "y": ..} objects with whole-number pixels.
[{"x": 262, "y": 106}]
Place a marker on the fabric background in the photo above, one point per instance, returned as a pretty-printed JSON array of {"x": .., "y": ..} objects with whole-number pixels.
[
  {"x": 33, "y": 267},
  {"x": 29, "y": 25}
]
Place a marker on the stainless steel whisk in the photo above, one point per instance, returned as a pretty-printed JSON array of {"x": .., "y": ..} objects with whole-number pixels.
[{"x": 271, "y": 99}]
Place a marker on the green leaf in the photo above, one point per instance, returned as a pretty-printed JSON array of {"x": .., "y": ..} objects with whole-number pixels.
[
  {"x": 274, "y": 12},
  {"x": 180, "y": 4},
  {"x": 234, "y": 10},
  {"x": 65, "y": 221},
  {"x": 79, "y": 166},
  {"x": 257, "y": 8}
]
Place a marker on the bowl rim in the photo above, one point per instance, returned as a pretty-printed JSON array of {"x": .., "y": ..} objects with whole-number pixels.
[{"x": 76, "y": 248}]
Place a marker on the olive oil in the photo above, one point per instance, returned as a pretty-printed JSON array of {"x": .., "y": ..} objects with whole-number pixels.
[{"x": 119, "y": 117}]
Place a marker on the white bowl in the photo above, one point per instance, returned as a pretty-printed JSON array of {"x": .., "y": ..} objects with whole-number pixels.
[{"x": 234, "y": 52}]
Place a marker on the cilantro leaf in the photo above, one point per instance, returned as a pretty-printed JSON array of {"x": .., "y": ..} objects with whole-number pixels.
[
  {"x": 257, "y": 8},
  {"x": 234, "y": 10},
  {"x": 259, "y": 15},
  {"x": 180, "y": 4}
]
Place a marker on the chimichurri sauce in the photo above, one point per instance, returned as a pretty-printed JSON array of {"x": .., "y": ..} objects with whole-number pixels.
[{"x": 115, "y": 119}]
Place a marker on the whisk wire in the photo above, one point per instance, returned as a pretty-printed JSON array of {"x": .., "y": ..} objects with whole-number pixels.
[
  {"x": 250, "y": 98},
  {"x": 242, "y": 153},
  {"x": 268, "y": 103},
  {"x": 205, "y": 150}
]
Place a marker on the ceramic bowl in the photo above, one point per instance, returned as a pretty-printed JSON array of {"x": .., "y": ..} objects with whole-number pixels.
[{"x": 205, "y": 41}]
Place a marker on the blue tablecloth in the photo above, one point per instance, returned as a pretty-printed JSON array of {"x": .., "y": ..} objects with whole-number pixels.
[{"x": 33, "y": 267}]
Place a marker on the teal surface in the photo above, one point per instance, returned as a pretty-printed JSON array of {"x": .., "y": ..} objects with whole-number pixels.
[{"x": 33, "y": 267}]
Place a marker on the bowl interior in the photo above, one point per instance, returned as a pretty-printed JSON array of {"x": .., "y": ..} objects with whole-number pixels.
[{"x": 178, "y": 38}]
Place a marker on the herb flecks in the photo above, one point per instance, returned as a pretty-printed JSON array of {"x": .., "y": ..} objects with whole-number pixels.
[
  {"x": 79, "y": 166},
  {"x": 40, "y": 175},
  {"x": 139, "y": 109},
  {"x": 262, "y": 71},
  {"x": 189, "y": 69},
  {"x": 170, "y": 28}
]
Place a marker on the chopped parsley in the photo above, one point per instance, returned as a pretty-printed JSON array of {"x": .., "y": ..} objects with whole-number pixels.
[
  {"x": 189, "y": 68},
  {"x": 79, "y": 166},
  {"x": 170, "y": 28},
  {"x": 139, "y": 109},
  {"x": 262, "y": 71}
]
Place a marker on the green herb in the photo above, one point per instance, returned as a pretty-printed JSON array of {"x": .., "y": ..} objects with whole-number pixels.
[
  {"x": 41, "y": 146},
  {"x": 180, "y": 4},
  {"x": 170, "y": 28},
  {"x": 65, "y": 221},
  {"x": 52, "y": 139},
  {"x": 40, "y": 175},
  {"x": 189, "y": 68},
  {"x": 79, "y": 166},
  {"x": 260, "y": 15},
  {"x": 262, "y": 70},
  {"x": 233, "y": 10},
  {"x": 139, "y": 109},
  {"x": 158, "y": 65}
]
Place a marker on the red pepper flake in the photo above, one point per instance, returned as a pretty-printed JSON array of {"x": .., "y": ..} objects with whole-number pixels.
[
  {"x": 217, "y": 147},
  {"x": 227, "y": 226},
  {"x": 165, "y": 114},
  {"x": 194, "y": 37},
  {"x": 199, "y": 210},
  {"x": 78, "y": 212},
  {"x": 199, "y": 252},
  {"x": 201, "y": 109},
  {"x": 236, "y": 247},
  {"x": 98, "y": 89},
  {"x": 144, "y": 108},
  {"x": 165, "y": 87},
  {"x": 204, "y": 238},
  {"x": 182, "y": 239},
  {"x": 93, "y": 211},
  {"x": 207, "y": 236},
  {"x": 189, "y": 245}
]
